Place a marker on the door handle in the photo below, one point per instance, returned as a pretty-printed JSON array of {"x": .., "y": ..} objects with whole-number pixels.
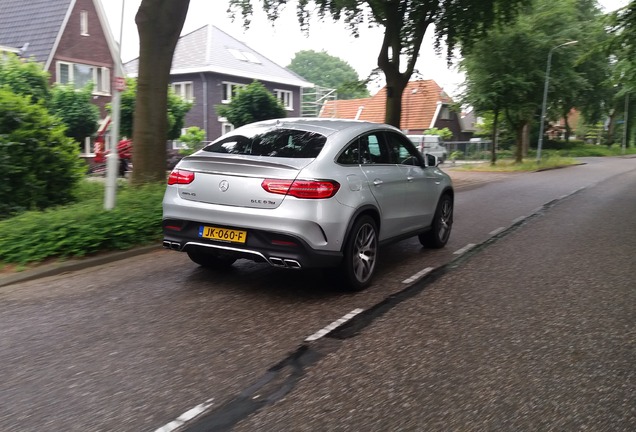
[{"x": 377, "y": 182}]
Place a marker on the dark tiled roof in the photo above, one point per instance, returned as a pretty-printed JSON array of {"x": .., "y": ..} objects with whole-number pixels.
[
  {"x": 36, "y": 22},
  {"x": 209, "y": 49},
  {"x": 419, "y": 106}
]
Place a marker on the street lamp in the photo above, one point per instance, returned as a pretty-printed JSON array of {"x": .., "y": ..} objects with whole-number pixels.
[{"x": 545, "y": 97}]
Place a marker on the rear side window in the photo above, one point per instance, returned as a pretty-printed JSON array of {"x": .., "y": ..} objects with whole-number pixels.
[
  {"x": 366, "y": 150},
  {"x": 287, "y": 143}
]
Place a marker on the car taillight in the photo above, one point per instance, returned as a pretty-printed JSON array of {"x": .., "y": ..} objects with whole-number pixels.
[
  {"x": 180, "y": 177},
  {"x": 308, "y": 189}
]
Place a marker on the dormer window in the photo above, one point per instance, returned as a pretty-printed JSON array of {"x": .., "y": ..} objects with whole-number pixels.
[
  {"x": 445, "y": 113},
  {"x": 244, "y": 56},
  {"x": 84, "y": 23}
]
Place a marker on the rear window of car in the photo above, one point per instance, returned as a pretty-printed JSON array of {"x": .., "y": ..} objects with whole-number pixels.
[{"x": 287, "y": 143}]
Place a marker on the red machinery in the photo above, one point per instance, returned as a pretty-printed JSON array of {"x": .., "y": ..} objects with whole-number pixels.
[{"x": 124, "y": 148}]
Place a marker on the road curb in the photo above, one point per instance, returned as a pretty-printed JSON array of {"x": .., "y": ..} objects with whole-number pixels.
[{"x": 75, "y": 264}]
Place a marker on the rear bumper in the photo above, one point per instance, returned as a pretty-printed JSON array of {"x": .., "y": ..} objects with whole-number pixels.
[{"x": 276, "y": 249}]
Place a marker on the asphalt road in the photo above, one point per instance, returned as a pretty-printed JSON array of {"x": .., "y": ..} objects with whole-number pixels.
[{"x": 491, "y": 340}]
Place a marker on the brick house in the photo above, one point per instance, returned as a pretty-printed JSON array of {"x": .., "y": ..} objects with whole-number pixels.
[
  {"x": 424, "y": 105},
  {"x": 70, "y": 38},
  {"x": 207, "y": 67}
]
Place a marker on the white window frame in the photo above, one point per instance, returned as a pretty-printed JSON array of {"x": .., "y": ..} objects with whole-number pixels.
[
  {"x": 286, "y": 97},
  {"x": 84, "y": 23},
  {"x": 229, "y": 88},
  {"x": 226, "y": 126},
  {"x": 184, "y": 89},
  {"x": 101, "y": 76}
]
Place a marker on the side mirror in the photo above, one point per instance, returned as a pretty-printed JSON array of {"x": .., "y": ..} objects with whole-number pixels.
[{"x": 432, "y": 161}]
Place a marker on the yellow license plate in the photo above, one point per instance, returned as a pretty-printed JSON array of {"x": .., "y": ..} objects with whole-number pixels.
[{"x": 223, "y": 234}]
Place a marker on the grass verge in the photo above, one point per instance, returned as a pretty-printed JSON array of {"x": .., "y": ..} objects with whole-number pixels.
[
  {"x": 509, "y": 165},
  {"x": 83, "y": 228}
]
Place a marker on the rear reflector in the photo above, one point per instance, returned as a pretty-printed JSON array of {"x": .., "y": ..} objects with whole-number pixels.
[
  {"x": 180, "y": 177},
  {"x": 307, "y": 189}
]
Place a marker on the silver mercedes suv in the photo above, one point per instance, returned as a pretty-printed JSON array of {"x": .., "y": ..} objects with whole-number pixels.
[{"x": 303, "y": 193}]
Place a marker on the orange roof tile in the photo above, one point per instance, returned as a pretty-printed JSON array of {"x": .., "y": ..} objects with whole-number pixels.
[{"x": 419, "y": 104}]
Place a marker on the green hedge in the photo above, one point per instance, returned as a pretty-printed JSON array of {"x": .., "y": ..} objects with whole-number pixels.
[
  {"x": 84, "y": 228},
  {"x": 39, "y": 166}
]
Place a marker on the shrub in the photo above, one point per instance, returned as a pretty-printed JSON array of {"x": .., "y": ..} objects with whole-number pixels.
[
  {"x": 250, "y": 104},
  {"x": 193, "y": 138},
  {"x": 75, "y": 108},
  {"x": 85, "y": 227},
  {"x": 39, "y": 165}
]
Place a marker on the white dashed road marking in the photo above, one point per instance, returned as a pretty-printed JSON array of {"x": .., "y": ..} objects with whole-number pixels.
[
  {"x": 186, "y": 416},
  {"x": 333, "y": 325},
  {"x": 519, "y": 219},
  {"x": 418, "y": 275},
  {"x": 465, "y": 249},
  {"x": 497, "y": 231}
]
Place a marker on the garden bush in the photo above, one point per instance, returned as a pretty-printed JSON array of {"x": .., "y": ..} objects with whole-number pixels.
[{"x": 39, "y": 166}]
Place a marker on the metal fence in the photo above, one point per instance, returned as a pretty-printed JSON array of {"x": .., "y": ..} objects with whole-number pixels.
[{"x": 468, "y": 150}]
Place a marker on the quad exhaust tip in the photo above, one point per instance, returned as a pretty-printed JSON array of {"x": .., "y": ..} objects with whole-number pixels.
[
  {"x": 172, "y": 245},
  {"x": 284, "y": 262}
]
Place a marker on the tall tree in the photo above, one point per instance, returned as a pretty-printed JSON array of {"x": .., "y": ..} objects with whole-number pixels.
[
  {"x": 512, "y": 79},
  {"x": 457, "y": 22},
  {"x": 622, "y": 46},
  {"x": 159, "y": 23},
  {"x": 329, "y": 71}
]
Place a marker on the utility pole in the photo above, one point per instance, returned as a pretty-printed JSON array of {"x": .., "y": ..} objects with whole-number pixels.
[
  {"x": 112, "y": 159},
  {"x": 545, "y": 97},
  {"x": 625, "y": 117}
]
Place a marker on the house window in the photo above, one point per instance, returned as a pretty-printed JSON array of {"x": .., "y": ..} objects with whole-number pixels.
[
  {"x": 229, "y": 91},
  {"x": 84, "y": 23},
  {"x": 81, "y": 74},
  {"x": 286, "y": 98},
  {"x": 226, "y": 128},
  {"x": 184, "y": 90},
  {"x": 444, "y": 113},
  {"x": 102, "y": 80},
  {"x": 244, "y": 56}
]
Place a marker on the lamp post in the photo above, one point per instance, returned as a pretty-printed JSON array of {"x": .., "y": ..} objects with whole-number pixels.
[{"x": 545, "y": 97}]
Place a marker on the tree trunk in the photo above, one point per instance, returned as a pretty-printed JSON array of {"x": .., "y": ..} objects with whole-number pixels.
[
  {"x": 395, "y": 85},
  {"x": 525, "y": 140},
  {"x": 568, "y": 130},
  {"x": 519, "y": 132},
  {"x": 389, "y": 57},
  {"x": 159, "y": 23},
  {"x": 611, "y": 128},
  {"x": 493, "y": 139}
]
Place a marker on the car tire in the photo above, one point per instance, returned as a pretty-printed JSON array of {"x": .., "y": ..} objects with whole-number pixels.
[
  {"x": 438, "y": 235},
  {"x": 360, "y": 254},
  {"x": 210, "y": 261}
]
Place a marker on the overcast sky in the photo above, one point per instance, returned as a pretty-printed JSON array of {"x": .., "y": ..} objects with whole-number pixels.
[{"x": 281, "y": 41}]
